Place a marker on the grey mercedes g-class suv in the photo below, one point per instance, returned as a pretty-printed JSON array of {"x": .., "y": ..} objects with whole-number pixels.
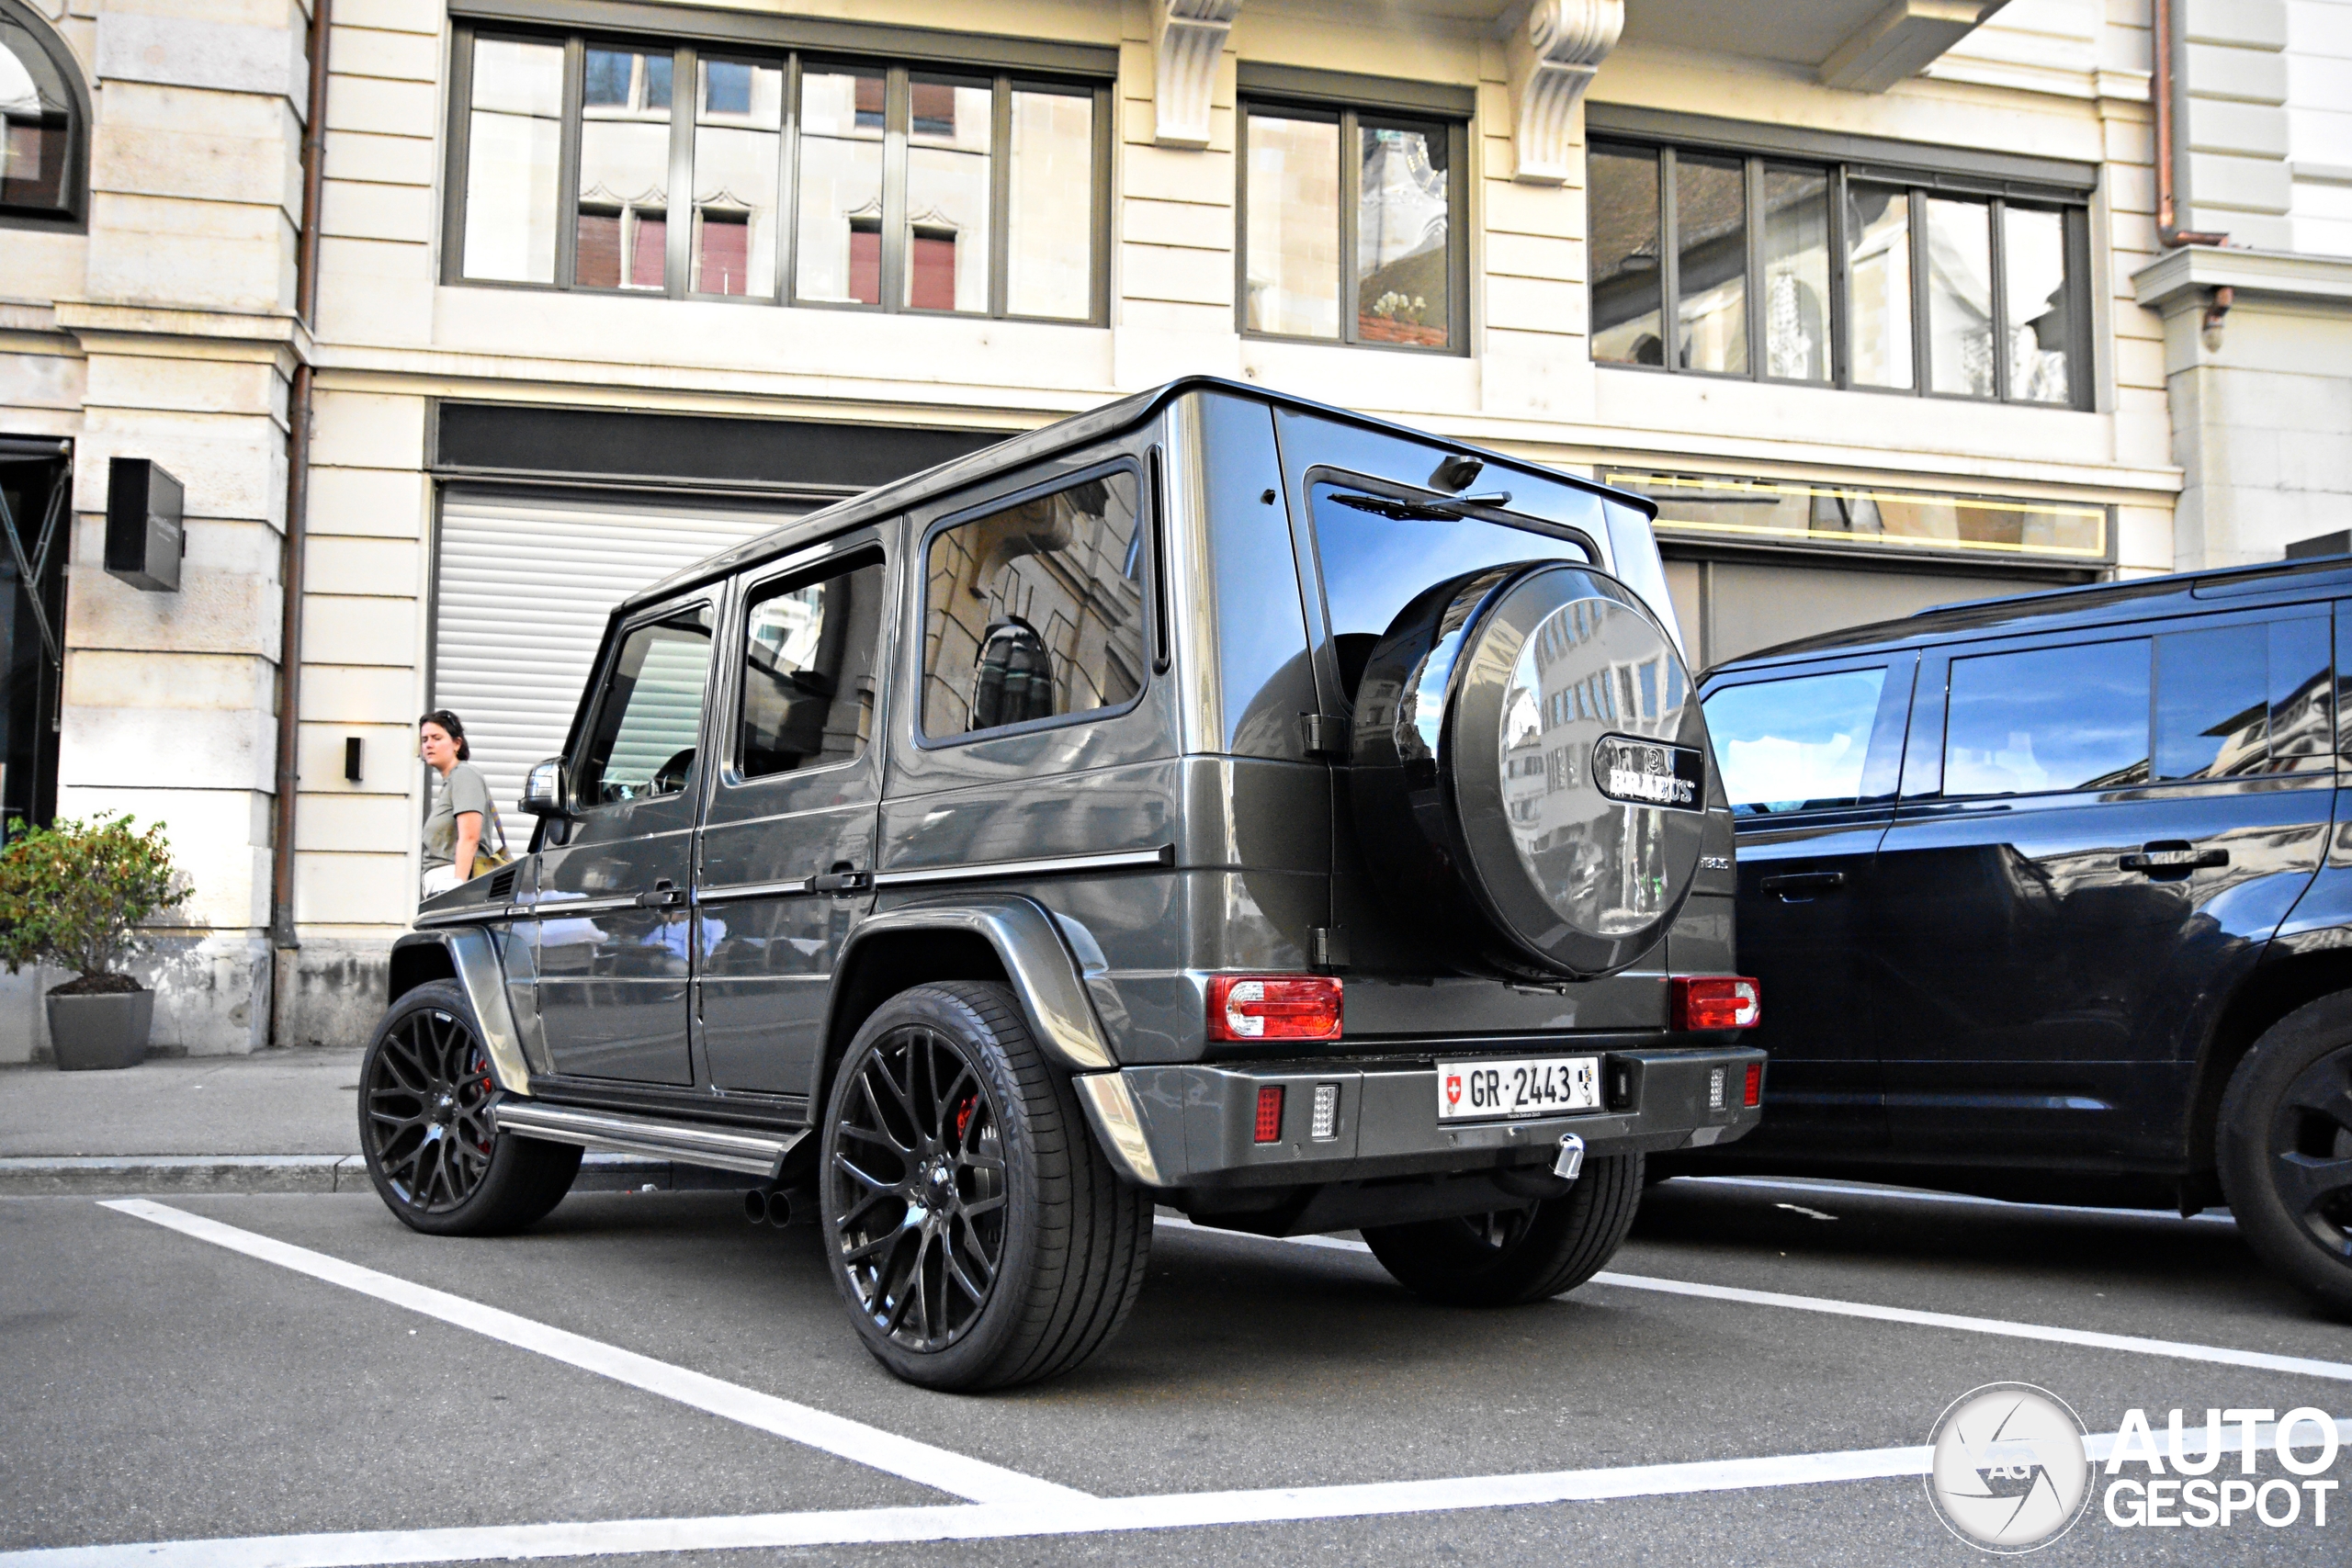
[{"x": 1213, "y": 800}]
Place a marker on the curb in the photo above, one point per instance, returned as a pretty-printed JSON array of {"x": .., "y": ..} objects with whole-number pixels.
[{"x": 114, "y": 1176}]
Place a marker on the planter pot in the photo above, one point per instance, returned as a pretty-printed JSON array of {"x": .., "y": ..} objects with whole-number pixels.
[{"x": 100, "y": 1031}]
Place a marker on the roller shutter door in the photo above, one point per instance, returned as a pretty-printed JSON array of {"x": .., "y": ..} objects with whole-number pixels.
[{"x": 523, "y": 590}]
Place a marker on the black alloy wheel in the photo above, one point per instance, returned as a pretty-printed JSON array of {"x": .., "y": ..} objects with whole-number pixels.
[
  {"x": 917, "y": 1179},
  {"x": 1511, "y": 1257},
  {"x": 434, "y": 1152},
  {"x": 427, "y": 1104},
  {"x": 976, "y": 1231},
  {"x": 2285, "y": 1148}
]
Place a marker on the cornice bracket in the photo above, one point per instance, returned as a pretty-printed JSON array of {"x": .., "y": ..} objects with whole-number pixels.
[
  {"x": 1187, "y": 40},
  {"x": 1553, "y": 55}
]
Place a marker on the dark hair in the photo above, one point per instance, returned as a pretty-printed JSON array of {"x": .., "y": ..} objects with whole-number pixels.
[{"x": 457, "y": 731}]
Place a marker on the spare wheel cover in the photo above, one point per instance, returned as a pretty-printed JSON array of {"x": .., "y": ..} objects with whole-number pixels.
[{"x": 1566, "y": 792}]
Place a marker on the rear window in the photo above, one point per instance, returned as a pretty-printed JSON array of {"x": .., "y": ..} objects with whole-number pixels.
[
  {"x": 1378, "y": 553},
  {"x": 1794, "y": 745}
]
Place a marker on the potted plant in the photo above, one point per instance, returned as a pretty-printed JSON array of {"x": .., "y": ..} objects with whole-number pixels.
[{"x": 73, "y": 896}]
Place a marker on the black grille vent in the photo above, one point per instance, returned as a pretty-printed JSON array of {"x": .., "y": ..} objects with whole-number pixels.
[{"x": 502, "y": 886}]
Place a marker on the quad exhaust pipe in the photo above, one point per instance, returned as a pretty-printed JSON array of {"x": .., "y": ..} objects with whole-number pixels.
[{"x": 781, "y": 1206}]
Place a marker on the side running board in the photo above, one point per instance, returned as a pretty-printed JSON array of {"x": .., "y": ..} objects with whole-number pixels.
[{"x": 691, "y": 1143}]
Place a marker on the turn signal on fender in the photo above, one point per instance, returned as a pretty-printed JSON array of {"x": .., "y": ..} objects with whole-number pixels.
[
  {"x": 1273, "y": 1007},
  {"x": 1716, "y": 1001}
]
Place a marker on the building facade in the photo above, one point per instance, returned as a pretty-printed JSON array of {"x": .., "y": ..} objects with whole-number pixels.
[{"x": 1858, "y": 291}]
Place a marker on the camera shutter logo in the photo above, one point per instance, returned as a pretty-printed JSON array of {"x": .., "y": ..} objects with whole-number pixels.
[{"x": 2007, "y": 1474}]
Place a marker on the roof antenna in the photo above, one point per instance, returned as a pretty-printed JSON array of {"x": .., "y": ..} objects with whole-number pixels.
[{"x": 1457, "y": 472}]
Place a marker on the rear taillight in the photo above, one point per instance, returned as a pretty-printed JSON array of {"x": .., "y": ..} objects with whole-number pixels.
[
  {"x": 1273, "y": 1007},
  {"x": 1270, "y": 1114},
  {"x": 1716, "y": 1001},
  {"x": 1755, "y": 1095}
]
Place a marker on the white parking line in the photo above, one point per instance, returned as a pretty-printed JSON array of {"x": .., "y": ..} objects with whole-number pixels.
[
  {"x": 2261, "y": 1361},
  {"x": 956, "y": 1474},
  {"x": 1185, "y": 1511}
]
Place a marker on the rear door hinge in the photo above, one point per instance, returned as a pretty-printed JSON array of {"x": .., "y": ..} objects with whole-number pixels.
[{"x": 1326, "y": 736}]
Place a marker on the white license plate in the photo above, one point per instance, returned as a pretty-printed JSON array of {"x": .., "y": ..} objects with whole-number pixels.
[{"x": 1541, "y": 1086}]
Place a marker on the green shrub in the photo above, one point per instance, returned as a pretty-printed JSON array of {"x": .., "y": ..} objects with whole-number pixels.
[{"x": 74, "y": 895}]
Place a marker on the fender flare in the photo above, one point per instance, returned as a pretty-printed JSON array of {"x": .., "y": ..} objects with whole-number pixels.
[
  {"x": 1036, "y": 958},
  {"x": 473, "y": 962}
]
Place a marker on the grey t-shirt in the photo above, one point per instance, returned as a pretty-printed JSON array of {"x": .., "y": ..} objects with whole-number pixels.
[{"x": 464, "y": 790}]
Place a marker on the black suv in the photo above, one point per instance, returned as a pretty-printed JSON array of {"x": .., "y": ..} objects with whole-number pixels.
[
  {"x": 2053, "y": 896},
  {"x": 1212, "y": 800}
]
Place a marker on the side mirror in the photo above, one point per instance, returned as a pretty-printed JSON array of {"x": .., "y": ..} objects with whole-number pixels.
[{"x": 547, "y": 792}]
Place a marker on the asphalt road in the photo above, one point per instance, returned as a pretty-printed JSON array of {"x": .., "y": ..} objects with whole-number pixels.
[{"x": 204, "y": 1368}]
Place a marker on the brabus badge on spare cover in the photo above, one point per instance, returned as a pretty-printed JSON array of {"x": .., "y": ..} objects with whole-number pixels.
[{"x": 1648, "y": 773}]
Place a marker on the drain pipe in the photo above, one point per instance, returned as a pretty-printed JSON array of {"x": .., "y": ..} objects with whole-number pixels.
[
  {"x": 297, "y": 491},
  {"x": 2167, "y": 236}
]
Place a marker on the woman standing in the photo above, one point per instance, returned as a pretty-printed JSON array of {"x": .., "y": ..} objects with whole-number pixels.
[{"x": 453, "y": 833}]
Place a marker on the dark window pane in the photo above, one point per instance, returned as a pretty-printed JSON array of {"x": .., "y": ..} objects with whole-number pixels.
[
  {"x": 1959, "y": 296},
  {"x": 2050, "y": 719},
  {"x": 2213, "y": 702},
  {"x": 35, "y": 122},
  {"x": 649, "y": 720},
  {"x": 606, "y": 78},
  {"x": 1378, "y": 553},
  {"x": 808, "y": 676},
  {"x": 1036, "y": 611},
  {"x": 596, "y": 263},
  {"x": 1625, "y": 249},
  {"x": 2302, "y": 710},
  {"x": 1796, "y": 273},
  {"x": 865, "y": 266},
  {"x": 1788, "y": 745},
  {"x": 726, "y": 87},
  {"x": 722, "y": 258},
  {"x": 1403, "y": 237},
  {"x": 2041, "y": 327},
  {"x": 656, "y": 80},
  {"x": 1878, "y": 285},
  {"x": 1710, "y": 240}
]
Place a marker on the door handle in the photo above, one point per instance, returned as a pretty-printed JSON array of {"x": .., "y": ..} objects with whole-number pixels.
[
  {"x": 2156, "y": 858},
  {"x": 841, "y": 879},
  {"x": 665, "y": 895},
  {"x": 1803, "y": 882}
]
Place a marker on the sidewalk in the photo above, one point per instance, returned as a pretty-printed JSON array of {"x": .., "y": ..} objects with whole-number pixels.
[{"x": 273, "y": 1122}]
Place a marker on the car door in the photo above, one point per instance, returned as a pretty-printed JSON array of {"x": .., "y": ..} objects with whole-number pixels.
[
  {"x": 614, "y": 954},
  {"x": 788, "y": 843},
  {"x": 2098, "y": 831},
  {"x": 1810, "y": 758}
]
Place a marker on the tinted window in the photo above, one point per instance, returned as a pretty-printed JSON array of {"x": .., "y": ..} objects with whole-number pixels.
[
  {"x": 1036, "y": 611},
  {"x": 1378, "y": 553},
  {"x": 808, "y": 669},
  {"x": 2213, "y": 702},
  {"x": 649, "y": 722},
  {"x": 2049, "y": 718},
  {"x": 1788, "y": 745},
  {"x": 2303, "y": 708}
]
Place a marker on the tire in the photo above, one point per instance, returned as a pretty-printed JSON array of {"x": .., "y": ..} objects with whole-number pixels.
[
  {"x": 425, "y": 1093},
  {"x": 1529, "y": 772},
  {"x": 975, "y": 1230},
  {"x": 2284, "y": 1149},
  {"x": 1516, "y": 1255}
]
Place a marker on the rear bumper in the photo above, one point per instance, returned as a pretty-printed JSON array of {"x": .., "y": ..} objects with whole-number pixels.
[{"x": 1194, "y": 1126}]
